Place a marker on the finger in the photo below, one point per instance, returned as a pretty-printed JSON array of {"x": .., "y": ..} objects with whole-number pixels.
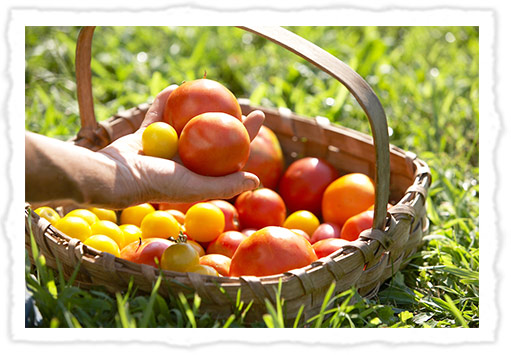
[
  {"x": 155, "y": 112},
  {"x": 253, "y": 123}
]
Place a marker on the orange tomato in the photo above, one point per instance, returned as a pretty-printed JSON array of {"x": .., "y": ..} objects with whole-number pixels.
[
  {"x": 219, "y": 262},
  {"x": 356, "y": 224},
  {"x": 204, "y": 222},
  {"x": 346, "y": 196}
]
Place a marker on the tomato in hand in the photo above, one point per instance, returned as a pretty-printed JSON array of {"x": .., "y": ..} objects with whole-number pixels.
[
  {"x": 345, "y": 197},
  {"x": 260, "y": 208},
  {"x": 303, "y": 183},
  {"x": 326, "y": 230},
  {"x": 146, "y": 251},
  {"x": 195, "y": 97},
  {"x": 219, "y": 262},
  {"x": 226, "y": 243},
  {"x": 325, "y": 247},
  {"x": 232, "y": 222},
  {"x": 159, "y": 139},
  {"x": 356, "y": 224},
  {"x": 214, "y": 144},
  {"x": 266, "y": 159},
  {"x": 270, "y": 251}
]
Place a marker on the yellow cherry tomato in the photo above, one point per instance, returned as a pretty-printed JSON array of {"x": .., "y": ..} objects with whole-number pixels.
[
  {"x": 135, "y": 214},
  {"x": 303, "y": 220},
  {"x": 203, "y": 270},
  {"x": 103, "y": 243},
  {"x": 204, "y": 222},
  {"x": 87, "y": 215},
  {"x": 131, "y": 232},
  {"x": 179, "y": 257},
  {"x": 160, "y": 224},
  {"x": 75, "y": 227},
  {"x": 48, "y": 213},
  {"x": 160, "y": 140},
  {"x": 110, "y": 229},
  {"x": 104, "y": 214}
]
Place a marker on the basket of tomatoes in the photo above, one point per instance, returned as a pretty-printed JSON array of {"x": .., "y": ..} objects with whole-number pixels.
[{"x": 335, "y": 205}]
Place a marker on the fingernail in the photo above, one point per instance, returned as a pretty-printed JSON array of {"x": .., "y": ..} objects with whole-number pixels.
[{"x": 250, "y": 184}]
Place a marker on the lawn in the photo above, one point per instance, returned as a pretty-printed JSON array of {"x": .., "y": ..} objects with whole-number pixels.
[{"x": 427, "y": 79}]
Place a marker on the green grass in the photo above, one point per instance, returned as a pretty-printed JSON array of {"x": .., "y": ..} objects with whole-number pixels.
[{"x": 427, "y": 81}]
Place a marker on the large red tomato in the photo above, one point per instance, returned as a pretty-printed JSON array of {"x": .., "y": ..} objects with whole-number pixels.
[
  {"x": 260, "y": 208},
  {"x": 266, "y": 159},
  {"x": 195, "y": 97},
  {"x": 326, "y": 247},
  {"x": 270, "y": 251},
  {"x": 232, "y": 222},
  {"x": 304, "y": 182},
  {"x": 325, "y": 231},
  {"x": 214, "y": 144},
  {"x": 147, "y": 251},
  {"x": 226, "y": 243},
  {"x": 356, "y": 224}
]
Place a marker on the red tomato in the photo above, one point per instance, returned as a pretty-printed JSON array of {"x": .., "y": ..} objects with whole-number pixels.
[
  {"x": 147, "y": 251},
  {"x": 199, "y": 96},
  {"x": 232, "y": 222},
  {"x": 266, "y": 159},
  {"x": 180, "y": 206},
  {"x": 214, "y": 144},
  {"x": 220, "y": 263},
  {"x": 226, "y": 243},
  {"x": 260, "y": 208},
  {"x": 356, "y": 224},
  {"x": 326, "y": 247},
  {"x": 249, "y": 231},
  {"x": 270, "y": 251},
  {"x": 326, "y": 230},
  {"x": 304, "y": 182}
]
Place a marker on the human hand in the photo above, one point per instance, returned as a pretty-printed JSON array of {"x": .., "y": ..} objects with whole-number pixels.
[{"x": 141, "y": 178}]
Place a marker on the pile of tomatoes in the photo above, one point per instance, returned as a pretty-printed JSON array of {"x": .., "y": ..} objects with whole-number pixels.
[{"x": 301, "y": 212}]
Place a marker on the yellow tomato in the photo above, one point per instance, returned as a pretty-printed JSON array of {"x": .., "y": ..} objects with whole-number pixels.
[
  {"x": 87, "y": 215},
  {"x": 48, "y": 213},
  {"x": 303, "y": 220},
  {"x": 103, "y": 243},
  {"x": 131, "y": 232},
  {"x": 160, "y": 224},
  {"x": 110, "y": 229},
  {"x": 160, "y": 140},
  {"x": 75, "y": 227},
  {"x": 104, "y": 214},
  {"x": 135, "y": 214},
  {"x": 179, "y": 257},
  {"x": 204, "y": 222},
  {"x": 203, "y": 270}
]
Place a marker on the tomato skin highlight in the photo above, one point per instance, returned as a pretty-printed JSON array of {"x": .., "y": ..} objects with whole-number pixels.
[
  {"x": 266, "y": 160},
  {"x": 304, "y": 182},
  {"x": 214, "y": 144},
  {"x": 271, "y": 251},
  {"x": 356, "y": 224},
  {"x": 199, "y": 96},
  {"x": 260, "y": 208}
]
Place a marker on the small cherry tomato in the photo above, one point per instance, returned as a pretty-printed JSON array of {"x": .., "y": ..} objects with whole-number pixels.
[
  {"x": 326, "y": 230},
  {"x": 146, "y": 251},
  {"x": 135, "y": 214},
  {"x": 104, "y": 214},
  {"x": 131, "y": 233},
  {"x": 75, "y": 227},
  {"x": 159, "y": 139},
  {"x": 260, "y": 208},
  {"x": 179, "y": 257},
  {"x": 303, "y": 220},
  {"x": 87, "y": 215},
  {"x": 325, "y": 247},
  {"x": 226, "y": 243},
  {"x": 48, "y": 213},
  {"x": 160, "y": 224},
  {"x": 103, "y": 243},
  {"x": 204, "y": 222},
  {"x": 110, "y": 229}
]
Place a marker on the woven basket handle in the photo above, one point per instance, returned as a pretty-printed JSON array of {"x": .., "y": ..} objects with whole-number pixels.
[{"x": 305, "y": 49}]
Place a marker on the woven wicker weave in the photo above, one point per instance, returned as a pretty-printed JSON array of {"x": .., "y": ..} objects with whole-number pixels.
[{"x": 401, "y": 178}]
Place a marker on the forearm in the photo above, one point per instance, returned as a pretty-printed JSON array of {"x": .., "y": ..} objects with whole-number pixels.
[{"x": 57, "y": 171}]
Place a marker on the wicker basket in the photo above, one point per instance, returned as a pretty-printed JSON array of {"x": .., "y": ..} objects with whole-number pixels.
[{"x": 401, "y": 178}]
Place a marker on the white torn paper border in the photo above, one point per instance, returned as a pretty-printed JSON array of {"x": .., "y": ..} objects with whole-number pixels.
[{"x": 189, "y": 15}]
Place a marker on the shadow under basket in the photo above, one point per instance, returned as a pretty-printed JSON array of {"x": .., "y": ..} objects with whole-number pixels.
[{"x": 401, "y": 179}]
